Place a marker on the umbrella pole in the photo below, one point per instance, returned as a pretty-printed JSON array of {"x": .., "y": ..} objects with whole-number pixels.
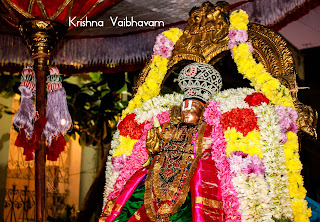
[{"x": 41, "y": 37}]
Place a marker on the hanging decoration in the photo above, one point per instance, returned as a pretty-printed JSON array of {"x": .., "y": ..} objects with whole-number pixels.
[
  {"x": 27, "y": 120},
  {"x": 58, "y": 116},
  {"x": 31, "y": 125},
  {"x": 25, "y": 117}
]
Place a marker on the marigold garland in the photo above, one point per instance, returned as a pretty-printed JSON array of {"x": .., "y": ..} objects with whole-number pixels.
[{"x": 294, "y": 167}]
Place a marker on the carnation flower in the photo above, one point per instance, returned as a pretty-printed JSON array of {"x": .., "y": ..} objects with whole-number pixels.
[{"x": 256, "y": 98}]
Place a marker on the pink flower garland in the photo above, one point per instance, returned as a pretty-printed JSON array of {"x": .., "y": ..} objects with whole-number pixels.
[
  {"x": 163, "y": 46},
  {"x": 287, "y": 117},
  {"x": 236, "y": 37},
  {"x": 132, "y": 164},
  {"x": 135, "y": 160},
  {"x": 212, "y": 116}
]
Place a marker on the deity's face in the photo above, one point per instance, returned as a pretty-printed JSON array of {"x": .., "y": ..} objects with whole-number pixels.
[{"x": 191, "y": 110}]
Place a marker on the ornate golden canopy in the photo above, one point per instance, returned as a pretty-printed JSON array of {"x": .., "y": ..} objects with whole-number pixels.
[{"x": 205, "y": 39}]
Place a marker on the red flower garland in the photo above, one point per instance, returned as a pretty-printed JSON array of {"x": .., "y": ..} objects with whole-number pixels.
[{"x": 244, "y": 120}]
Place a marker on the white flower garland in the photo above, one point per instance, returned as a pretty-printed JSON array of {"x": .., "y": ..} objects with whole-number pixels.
[
  {"x": 252, "y": 189},
  {"x": 274, "y": 162},
  {"x": 253, "y": 197},
  {"x": 110, "y": 176},
  {"x": 156, "y": 105},
  {"x": 233, "y": 98}
]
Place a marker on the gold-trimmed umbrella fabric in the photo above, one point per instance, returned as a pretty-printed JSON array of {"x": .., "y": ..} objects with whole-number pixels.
[{"x": 13, "y": 11}]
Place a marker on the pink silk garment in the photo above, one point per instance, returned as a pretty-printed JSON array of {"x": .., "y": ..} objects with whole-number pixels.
[
  {"x": 128, "y": 189},
  {"x": 205, "y": 192}
]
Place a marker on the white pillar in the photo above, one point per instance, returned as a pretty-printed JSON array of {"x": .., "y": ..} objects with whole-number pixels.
[{"x": 89, "y": 166}]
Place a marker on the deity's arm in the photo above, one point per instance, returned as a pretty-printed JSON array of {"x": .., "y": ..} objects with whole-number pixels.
[{"x": 153, "y": 140}]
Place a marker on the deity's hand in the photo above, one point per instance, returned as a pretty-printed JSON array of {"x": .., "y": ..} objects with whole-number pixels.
[{"x": 153, "y": 140}]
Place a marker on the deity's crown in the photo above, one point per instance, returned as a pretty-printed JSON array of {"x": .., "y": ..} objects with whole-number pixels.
[{"x": 199, "y": 81}]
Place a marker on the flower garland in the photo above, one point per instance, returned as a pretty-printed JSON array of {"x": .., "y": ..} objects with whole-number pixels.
[
  {"x": 255, "y": 72},
  {"x": 287, "y": 120},
  {"x": 212, "y": 116},
  {"x": 123, "y": 145},
  {"x": 124, "y": 162},
  {"x": 244, "y": 152},
  {"x": 274, "y": 162},
  {"x": 252, "y": 155},
  {"x": 277, "y": 94},
  {"x": 158, "y": 69}
]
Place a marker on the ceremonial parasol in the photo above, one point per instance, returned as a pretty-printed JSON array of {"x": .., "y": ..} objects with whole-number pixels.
[{"x": 42, "y": 23}]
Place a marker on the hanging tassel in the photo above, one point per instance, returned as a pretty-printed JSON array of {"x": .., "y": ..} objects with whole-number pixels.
[
  {"x": 58, "y": 116},
  {"x": 25, "y": 117},
  {"x": 37, "y": 131},
  {"x": 57, "y": 146}
]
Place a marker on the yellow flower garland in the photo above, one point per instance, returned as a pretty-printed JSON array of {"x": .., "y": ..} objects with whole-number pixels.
[
  {"x": 297, "y": 191},
  {"x": 278, "y": 94},
  {"x": 158, "y": 69},
  {"x": 149, "y": 89},
  {"x": 260, "y": 79}
]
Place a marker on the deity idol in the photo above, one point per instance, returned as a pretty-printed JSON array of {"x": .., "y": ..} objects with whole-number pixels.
[{"x": 181, "y": 183}]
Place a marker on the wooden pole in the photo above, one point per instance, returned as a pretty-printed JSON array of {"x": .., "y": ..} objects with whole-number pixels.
[
  {"x": 40, "y": 157},
  {"x": 41, "y": 37}
]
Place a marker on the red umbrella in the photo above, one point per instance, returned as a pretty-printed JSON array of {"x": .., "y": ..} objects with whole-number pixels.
[
  {"x": 43, "y": 23},
  {"x": 14, "y": 11}
]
